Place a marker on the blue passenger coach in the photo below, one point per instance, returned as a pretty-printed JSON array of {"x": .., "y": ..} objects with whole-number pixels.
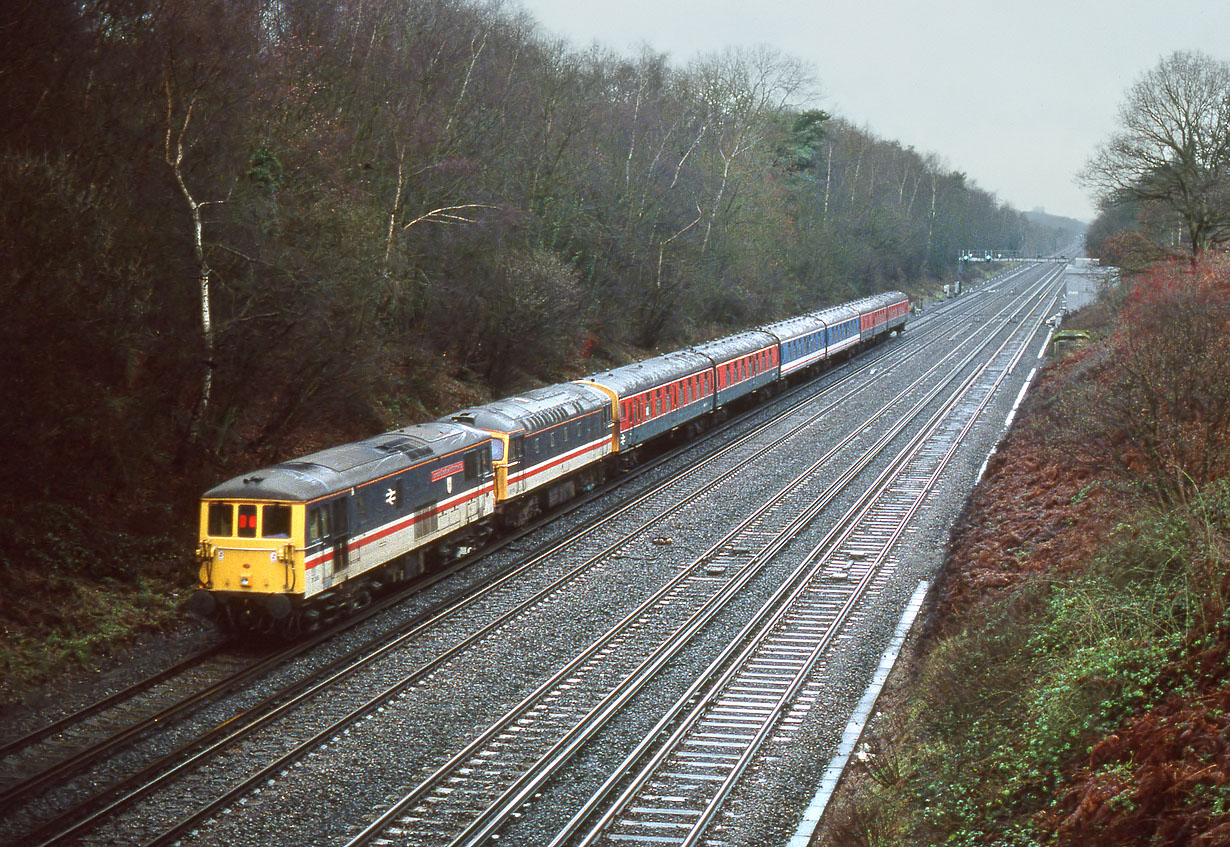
[{"x": 801, "y": 341}]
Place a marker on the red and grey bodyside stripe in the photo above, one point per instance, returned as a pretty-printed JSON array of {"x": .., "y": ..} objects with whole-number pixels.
[
  {"x": 405, "y": 522},
  {"x": 594, "y": 450}
]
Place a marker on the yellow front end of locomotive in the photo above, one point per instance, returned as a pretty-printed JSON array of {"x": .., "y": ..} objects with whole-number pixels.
[{"x": 251, "y": 548}]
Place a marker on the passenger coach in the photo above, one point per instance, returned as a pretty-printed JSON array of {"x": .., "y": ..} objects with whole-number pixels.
[
  {"x": 653, "y": 397},
  {"x": 742, "y": 364}
]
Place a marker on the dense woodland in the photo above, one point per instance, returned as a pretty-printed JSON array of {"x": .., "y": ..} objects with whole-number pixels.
[{"x": 236, "y": 230}]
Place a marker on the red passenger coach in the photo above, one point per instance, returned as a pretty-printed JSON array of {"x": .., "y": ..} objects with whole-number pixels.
[
  {"x": 882, "y": 313},
  {"x": 742, "y": 363},
  {"x": 897, "y": 311},
  {"x": 658, "y": 395}
]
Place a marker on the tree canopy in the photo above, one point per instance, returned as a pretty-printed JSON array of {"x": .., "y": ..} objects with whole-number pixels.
[{"x": 1171, "y": 152}]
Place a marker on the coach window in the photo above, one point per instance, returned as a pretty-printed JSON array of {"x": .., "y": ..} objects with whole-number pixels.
[
  {"x": 275, "y": 522},
  {"x": 221, "y": 519},
  {"x": 247, "y": 521}
]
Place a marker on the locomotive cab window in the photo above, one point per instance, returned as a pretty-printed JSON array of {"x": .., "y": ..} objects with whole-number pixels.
[
  {"x": 275, "y": 522},
  {"x": 247, "y": 521},
  {"x": 221, "y": 519}
]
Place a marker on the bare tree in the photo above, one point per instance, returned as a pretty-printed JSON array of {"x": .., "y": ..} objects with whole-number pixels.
[
  {"x": 1155, "y": 407},
  {"x": 1173, "y": 147},
  {"x": 176, "y": 128},
  {"x": 743, "y": 91}
]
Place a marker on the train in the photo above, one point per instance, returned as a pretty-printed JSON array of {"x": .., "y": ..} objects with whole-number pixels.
[{"x": 289, "y": 547}]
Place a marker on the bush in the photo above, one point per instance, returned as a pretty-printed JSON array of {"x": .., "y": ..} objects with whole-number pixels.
[{"x": 1156, "y": 409}]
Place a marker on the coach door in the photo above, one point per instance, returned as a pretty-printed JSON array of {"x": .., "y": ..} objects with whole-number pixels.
[
  {"x": 516, "y": 462},
  {"x": 341, "y": 536}
]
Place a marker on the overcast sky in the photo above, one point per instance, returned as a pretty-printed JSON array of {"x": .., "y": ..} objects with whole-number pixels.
[{"x": 1016, "y": 94}]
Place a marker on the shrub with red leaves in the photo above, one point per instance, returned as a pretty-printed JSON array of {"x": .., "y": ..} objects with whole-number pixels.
[
  {"x": 1164, "y": 777},
  {"x": 1156, "y": 409}
]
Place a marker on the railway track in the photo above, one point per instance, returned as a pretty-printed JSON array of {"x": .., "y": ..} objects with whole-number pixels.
[
  {"x": 755, "y": 694},
  {"x": 716, "y": 563},
  {"x": 562, "y": 571},
  {"x": 469, "y": 798}
]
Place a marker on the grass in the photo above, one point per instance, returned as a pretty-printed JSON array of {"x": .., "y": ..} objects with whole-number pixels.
[
  {"x": 76, "y": 592},
  {"x": 1003, "y": 711}
]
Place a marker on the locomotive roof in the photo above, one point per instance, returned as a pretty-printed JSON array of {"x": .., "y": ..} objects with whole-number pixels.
[
  {"x": 651, "y": 373},
  {"x": 345, "y": 466},
  {"x": 534, "y": 410},
  {"x": 740, "y": 344}
]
